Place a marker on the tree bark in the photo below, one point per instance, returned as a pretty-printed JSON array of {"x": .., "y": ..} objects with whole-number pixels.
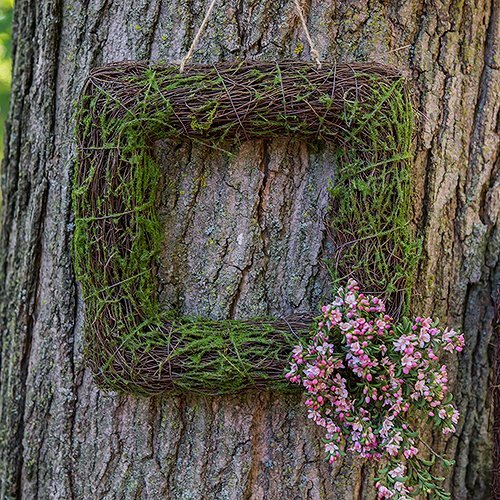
[
  {"x": 62, "y": 438},
  {"x": 246, "y": 238}
]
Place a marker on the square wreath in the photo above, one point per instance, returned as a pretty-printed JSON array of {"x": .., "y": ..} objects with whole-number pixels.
[{"x": 134, "y": 346}]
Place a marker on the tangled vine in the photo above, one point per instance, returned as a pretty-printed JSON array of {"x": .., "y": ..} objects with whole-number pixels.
[{"x": 132, "y": 344}]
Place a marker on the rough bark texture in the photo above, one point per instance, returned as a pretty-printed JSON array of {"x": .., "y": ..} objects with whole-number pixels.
[
  {"x": 246, "y": 238},
  {"x": 59, "y": 436}
]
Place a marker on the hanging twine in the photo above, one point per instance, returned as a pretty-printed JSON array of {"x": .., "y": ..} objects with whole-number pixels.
[
  {"x": 201, "y": 29},
  {"x": 312, "y": 46},
  {"x": 197, "y": 37}
]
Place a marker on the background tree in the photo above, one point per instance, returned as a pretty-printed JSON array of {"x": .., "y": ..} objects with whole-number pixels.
[
  {"x": 5, "y": 61},
  {"x": 62, "y": 438}
]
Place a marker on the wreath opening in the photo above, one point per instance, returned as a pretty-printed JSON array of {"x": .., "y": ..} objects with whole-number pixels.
[{"x": 131, "y": 343}]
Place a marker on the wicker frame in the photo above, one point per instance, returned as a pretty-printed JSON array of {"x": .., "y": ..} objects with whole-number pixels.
[{"x": 132, "y": 345}]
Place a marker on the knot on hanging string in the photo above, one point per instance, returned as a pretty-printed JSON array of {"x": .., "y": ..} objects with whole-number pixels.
[{"x": 312, "y": 47}]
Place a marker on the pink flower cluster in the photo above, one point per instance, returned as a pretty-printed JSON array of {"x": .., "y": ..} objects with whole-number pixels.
[{"x": 366, "y": 374}]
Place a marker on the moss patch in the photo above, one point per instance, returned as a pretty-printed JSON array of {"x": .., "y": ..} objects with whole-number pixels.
[{"x": 370, "y": 213}]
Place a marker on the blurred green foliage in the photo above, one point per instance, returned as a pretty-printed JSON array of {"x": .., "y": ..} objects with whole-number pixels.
[{"x": 6, "y": 7}]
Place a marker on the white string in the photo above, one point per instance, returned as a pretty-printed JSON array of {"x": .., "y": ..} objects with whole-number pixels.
[
  {"x": 197, "y": 37},
  {"x": 312, "y": 47}
]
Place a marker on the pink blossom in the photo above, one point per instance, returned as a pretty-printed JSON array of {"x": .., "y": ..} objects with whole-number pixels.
[
  {"x": 398, "y": 471},
  {"x": 364, "y": 373},
  {"x": 424, "y": 337},
  {"x": 410, "y": 452},
  {"x": 402, "y": 343},
  {"x": 420, "y": 386},
  {"x": 383, "y": 492},
  {"x": 335, "y": 316}
]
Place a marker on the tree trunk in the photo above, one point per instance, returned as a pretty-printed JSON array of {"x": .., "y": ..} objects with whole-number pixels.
[{"x": 60, "y": 437}]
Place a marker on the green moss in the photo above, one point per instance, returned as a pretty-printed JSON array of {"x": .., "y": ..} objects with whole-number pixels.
[
  {"x": 371, "y": 197},
  {"x": 115, "y": 193}
]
